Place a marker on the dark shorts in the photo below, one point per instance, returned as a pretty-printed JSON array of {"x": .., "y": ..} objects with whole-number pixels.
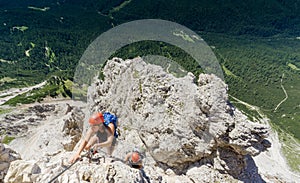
[
  {"x": 137, "y": 166},
  {"x": 114, "y": 142},
  {"x": 102, "y": 137}
]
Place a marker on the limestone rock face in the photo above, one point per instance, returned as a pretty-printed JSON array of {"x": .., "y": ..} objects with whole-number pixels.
[
  {"x": 188, "y": 130},
  {"x": 73, "y": 127},
  {"x": 178, "y": 121},
  {"x": 7, "y": 155},
  {"x": 52, "y": 129},
  {"x": 22, "y": 171}
]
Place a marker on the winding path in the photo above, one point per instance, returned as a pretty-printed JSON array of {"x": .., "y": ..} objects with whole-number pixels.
[
  {"x": 252, "y": 107},
  {"x": 286, "y": 95}
]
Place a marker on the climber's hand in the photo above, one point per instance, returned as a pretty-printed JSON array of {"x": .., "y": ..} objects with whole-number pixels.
[{"x": 74, "y": 158}]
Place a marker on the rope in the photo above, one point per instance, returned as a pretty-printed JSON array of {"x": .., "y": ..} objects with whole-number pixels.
[{"x": 88, "y": 155}]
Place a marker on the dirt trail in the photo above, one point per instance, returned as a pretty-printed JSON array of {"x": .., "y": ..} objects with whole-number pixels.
[
  {"x": 11, "y": 93},
  {"x": 286, "y": 95}
]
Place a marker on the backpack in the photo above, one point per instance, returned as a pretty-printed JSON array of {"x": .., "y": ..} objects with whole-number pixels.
[{"x": 110, "y": 118}]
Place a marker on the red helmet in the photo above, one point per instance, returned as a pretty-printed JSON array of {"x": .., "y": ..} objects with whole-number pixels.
[
  {"x": 96, "y": 119},
  {"x": 135, "y": 157}
]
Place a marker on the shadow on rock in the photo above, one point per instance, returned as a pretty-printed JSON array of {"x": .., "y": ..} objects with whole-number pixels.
[{"x": 241, "y": 167}]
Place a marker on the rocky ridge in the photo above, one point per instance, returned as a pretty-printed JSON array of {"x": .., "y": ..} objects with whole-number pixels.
[{"x": 189, "y": 132}]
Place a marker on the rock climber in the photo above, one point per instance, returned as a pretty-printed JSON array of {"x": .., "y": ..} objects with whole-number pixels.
[
  {"x": 100, "y": 134},
  {"x": 135, "y": 160}
]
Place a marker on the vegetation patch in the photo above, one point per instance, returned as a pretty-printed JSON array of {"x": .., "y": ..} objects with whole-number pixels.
[
  {"x": 118, "y": 8},
  {"x": 5, "y": 110},
  {"x": 6, "y": 80},
  {"x": 259, "y": 64},
  {"x": 184, "y": 36},
  {"x": 290, "y": 148},
  {"x": 292, "y": 66},
  {"x": 20, "y": 28},
  {"x": 228, "y": 72},
  {"x": 55, "y": 87},
  {"x": 39, "y": 9},
  {"x": 7, "y": 139}
]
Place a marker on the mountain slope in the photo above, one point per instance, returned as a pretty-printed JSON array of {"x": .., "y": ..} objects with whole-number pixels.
[
  {"x": 187, "y": 136},
  {"x": 51, "y": 36}
]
